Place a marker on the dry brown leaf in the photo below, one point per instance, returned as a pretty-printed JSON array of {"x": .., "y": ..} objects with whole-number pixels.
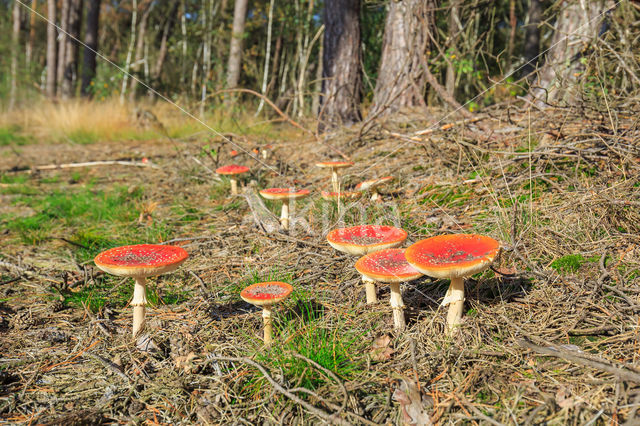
[
  {"x": 414, "y": 405},
  {"x": 381, "y": 349}
]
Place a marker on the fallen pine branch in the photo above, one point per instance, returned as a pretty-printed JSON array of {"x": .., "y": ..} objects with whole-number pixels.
[{"x": 575, "y": 357}]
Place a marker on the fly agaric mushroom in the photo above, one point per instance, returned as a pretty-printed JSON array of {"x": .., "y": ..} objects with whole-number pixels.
[
  {"x": 139, "y": 262},
  {"x": 389, "y": 266},
  {"x": 287, "y": 196},
  {"x": 363, "y": 239},
  {"x": 232, "y": 171},
  {"x": 373, "y": 184},
  {"x": 336, "y": 196},
  {"x": 453, "y": 256},
  {"x": 266, "y": 295},
  {"x": 334, "y": 166}
]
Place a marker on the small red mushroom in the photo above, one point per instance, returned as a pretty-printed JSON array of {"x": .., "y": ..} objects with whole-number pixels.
[
  {"x": 389, "y": 266},
  {"x": 232, "y": 171},
  {"x": 265, "y": 295},
  {"x": 140, "y": 261},
  {"x": 363, "y": 239},
  {"x": 287, "y": 196},
  {"x": 373, "y": 184},
  {"x": 453, "y": 256},
  {"x": 334, "y": 166}
]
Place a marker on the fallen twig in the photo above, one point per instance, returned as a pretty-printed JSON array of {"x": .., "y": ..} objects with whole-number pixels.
[
  {"x": 330, "y": 418},
  {"x": 572, "y": 356}
]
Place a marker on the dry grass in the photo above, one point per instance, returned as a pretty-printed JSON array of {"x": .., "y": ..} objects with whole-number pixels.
[
  {"x": 559, "y": 189},
  {"x": 83, "y": 121}
]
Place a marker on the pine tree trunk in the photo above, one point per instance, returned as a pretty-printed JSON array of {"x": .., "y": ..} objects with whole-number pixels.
[
  {"x": 576, "y": 27},
  {"x": 91, "y": 46},
  {"x": 70, "y": 76},
  {"x": 401, "y": 81},
  {"x": 454, "y": 29},
  {"x": 341, "y": 64},
  {"x": 532, "y": 37},
  {"x": 64, "y": 28},
  {"x": 235, "y": 47},
  {"x": 51, "y": 49},
  {"x": 15, "y": 41}
]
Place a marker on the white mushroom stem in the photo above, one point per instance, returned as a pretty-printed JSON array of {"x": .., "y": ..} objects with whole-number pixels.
[
  {"x": 370, "y": 289},
  {"x": 455, "y": 299},
  {"x": 234, "y": 186},
  {"x": 139, "y": 302},
  {"x": 334, "y": 180},
  {"x": 398, "y": 307},
  {"x": 268, "y": 330},
  {"x": 375, "y": 194},
  {"x": 265, "y": 154},
  {"x": 284, "y": 216}
]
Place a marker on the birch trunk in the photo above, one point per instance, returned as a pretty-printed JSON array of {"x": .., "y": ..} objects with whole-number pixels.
[
  {"x": 267, "y": 57},
  {"x": 132, "y": 42},
  {"x": 64, "y": 26},
  {"x": 51, "y": 49},
  {"x": 15, "y": 40},
  {"x": 139, "y": 52}
]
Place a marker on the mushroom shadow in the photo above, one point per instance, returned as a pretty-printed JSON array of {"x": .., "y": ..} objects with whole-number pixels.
[{"x": 426, "y": 294}]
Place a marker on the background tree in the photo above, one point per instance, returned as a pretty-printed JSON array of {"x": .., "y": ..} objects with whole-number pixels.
[
  {"x": 91, "y": 46},
  {"x": 235, "y": 46},
  {"x": 51, "y": 49},
  {"x": 577, "y": 26},
  {"x": 341, "y": 64},
  {"x": 401, "y": 80},
  {"x": 15, "y": 40}
]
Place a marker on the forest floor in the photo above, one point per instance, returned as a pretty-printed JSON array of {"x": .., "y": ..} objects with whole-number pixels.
[{"x": 550, "y": 335}]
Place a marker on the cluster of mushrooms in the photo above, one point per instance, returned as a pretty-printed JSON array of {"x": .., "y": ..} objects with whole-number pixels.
[{"x": 449, "y": 256}]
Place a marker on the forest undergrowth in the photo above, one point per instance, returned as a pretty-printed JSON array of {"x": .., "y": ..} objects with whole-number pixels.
[{"x": 550, "y": 334}]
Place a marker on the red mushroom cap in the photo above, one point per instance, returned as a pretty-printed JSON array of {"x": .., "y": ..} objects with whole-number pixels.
[
  {"x": 233, "y": 153},
  {"x": 233, "y": 169},
  {"x": 363, "y": 239},
  {"x": 453, "y": 255},
  {"x": 284, "y": 193},
  {"x": 389, "y": 266},
  {"x": 267, "y": 293},
  {"x": 340, "y": 195},
  {"x": 141, "y": 260},
  {"x": 335, "y": 164},
  {"x": 373, "y": 183}
]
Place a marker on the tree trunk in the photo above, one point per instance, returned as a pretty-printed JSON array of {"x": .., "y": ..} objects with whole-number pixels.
[
  {"x": 51, "y": 49},
  {"x": 91, "y": 46},
  {"x": 577, "y": 25},
  {"x": 32, "y": 33},
  {"x": 454, "y": 30},
  {"x": 341, "y": 64},
  {"x": 532, "y": 37},
  {"x": 267, "y": 56},
  {"x": 315, "y": 102},
  {"x": 139, "y": 54},
  {"x": 235, "y": 47},
  {"x": 401, "y": 81},
  {"x": 15, "y": 40},
  {"x": 71, "y": 50},
  {"x": 132, "y": 42},
  {"x": 64, "y": 27},
  {"x": 164, "y": 45}
]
